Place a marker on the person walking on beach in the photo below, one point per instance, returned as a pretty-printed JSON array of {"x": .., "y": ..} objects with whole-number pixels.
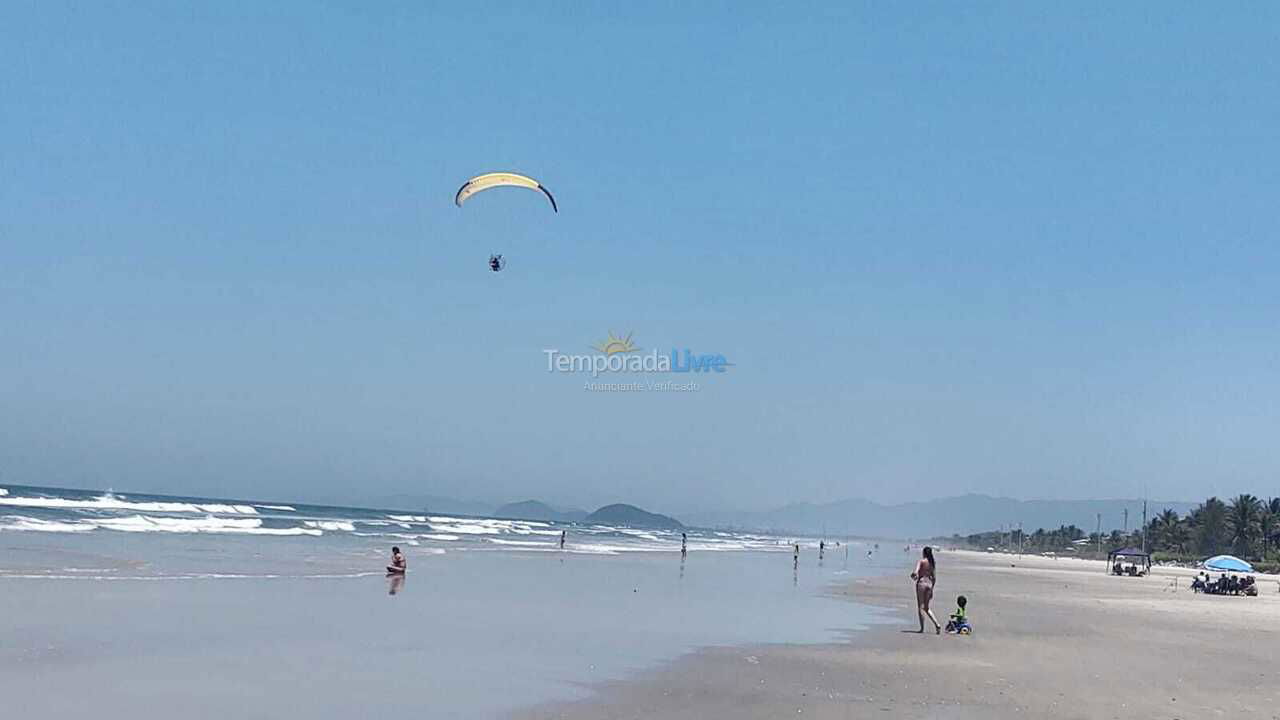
[
  {"x": 926, "y": 575},
  {"x": 684, "y": 544},
  {"x": 562, "y": 532}
]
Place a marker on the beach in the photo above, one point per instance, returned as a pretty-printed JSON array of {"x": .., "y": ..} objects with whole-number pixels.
[
  {"x": 1053, "y": 639},
  {"x": 146, "y": 606},
  {"x": 212, "y": 607}
]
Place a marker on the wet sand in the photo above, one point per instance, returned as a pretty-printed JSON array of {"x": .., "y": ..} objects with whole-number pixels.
[
  {"x": 1053, "y": 639},
  {"x": 465, "y": 634}
]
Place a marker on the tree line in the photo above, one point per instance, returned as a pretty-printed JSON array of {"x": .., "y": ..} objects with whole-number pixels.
[{"x": 1245, "y": 526}]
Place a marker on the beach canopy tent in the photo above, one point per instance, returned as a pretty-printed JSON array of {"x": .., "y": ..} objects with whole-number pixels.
[
  {"x": 1227, "y": 563},
  {"x": 1132, "y": 554}
]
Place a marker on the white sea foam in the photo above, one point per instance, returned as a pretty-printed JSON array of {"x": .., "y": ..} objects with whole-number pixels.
[
  {"x": 20, "y": 523},
  {"x": 408, "y": 518},
  {"x": 521, "y": 543},
  {"x": 638, "y": 533},
  {"x": 409, "y": 536},
  {"x": 112, "y": 502},
  {"x": 285, "y": 508},
  {"x": 246, "y": 526},
  {"x": 464, "y": 529},
  {"x": 3, "y": 492},
  {"x": 332, "y": 525}
]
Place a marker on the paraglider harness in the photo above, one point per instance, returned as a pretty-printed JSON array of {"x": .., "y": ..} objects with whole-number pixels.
[{"x": 496, "y": 263}]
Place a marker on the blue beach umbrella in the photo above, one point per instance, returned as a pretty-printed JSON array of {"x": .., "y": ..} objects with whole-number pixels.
[{"x": 1227, "y": 563}]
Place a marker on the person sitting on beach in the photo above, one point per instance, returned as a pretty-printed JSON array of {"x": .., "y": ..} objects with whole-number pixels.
[
  {"x": 398, "y": 563},
  {"x": 959, "y": 623},
  {"x": 1249, "y": 586}
]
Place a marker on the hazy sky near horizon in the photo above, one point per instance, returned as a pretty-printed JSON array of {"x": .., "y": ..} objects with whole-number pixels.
[{"x": 1010, "y": 248}]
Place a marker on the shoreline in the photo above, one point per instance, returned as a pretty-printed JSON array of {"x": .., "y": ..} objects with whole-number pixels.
[{"x": 1053, "y": 638}]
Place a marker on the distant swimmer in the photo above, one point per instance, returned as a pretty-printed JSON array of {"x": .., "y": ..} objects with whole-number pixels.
[
  {"x": 562, "y": 532},
  {"x": 684, "y": 544},
  {"x": 398, "y": 564}
]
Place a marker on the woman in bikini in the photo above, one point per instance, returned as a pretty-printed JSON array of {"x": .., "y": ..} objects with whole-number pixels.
[{"x": 925, "y": 576}]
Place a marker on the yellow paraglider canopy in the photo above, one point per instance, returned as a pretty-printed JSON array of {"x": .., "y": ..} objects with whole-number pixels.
[{"x": 480, "y": 183}]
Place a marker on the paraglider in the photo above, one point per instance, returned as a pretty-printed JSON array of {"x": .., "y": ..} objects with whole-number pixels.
[{"x": 488, "y": 181}]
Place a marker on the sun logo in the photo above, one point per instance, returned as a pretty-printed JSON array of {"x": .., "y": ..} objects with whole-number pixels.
[{"x": 615, "y": 345}]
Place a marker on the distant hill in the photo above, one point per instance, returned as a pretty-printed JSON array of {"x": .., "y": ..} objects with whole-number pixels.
[
  {"x": 934, "y": 518},
  {"x": 534, "y": 510},
  {"x": 631, "y": 516}
]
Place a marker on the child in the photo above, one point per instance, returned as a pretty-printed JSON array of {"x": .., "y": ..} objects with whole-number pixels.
[{"x": 959, "y": 623}]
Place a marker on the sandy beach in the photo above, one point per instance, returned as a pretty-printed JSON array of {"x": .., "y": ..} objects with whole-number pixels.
[{"x": 1053, "y": 639}]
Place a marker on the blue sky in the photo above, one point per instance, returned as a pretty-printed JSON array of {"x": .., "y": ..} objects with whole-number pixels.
[{"x": 1010, "y": 248}]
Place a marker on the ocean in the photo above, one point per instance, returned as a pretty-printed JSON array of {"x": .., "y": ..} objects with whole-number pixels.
[{"x": 128, "y": 605}]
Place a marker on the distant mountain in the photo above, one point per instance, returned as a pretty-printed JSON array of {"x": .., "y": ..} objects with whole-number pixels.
[
  {"x": 932, "y": 518},
  {"x": 534, "y": 510},
  {"x": 631, "y": 516}
]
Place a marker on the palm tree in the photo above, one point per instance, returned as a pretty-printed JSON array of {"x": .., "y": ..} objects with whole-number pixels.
[
  {"x": 1269, "y": 524},
  {"x": 1210, "y": 523},
  {"x": 1244, "y": 517},
  {"x": 1162, "y": 529},
  {"x": 1181, "y": 535}
]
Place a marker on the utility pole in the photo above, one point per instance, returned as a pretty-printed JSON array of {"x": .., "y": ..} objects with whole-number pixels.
[
  {"x": 1099, "y": 536},
  {"x": 1126, "y": 521},
  {"x": 1144, "y": 526}
]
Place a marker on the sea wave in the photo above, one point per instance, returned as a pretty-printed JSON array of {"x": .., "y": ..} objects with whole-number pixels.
[
  {"x": 22, "y": 523},
  {"x": 145, "y": 524},
  {"x": 114, "y": 502},
  {"x": 332, "y": 525},
  {"x": 523, "y": 543},
  {"x": 246, "y": 526}
]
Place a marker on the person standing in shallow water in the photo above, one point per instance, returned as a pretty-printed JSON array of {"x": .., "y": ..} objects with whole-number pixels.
[
  {"x": 684, "y": 543},
  {"x": 562, "y": 532},
  {"x": 926, "y": 575}
]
